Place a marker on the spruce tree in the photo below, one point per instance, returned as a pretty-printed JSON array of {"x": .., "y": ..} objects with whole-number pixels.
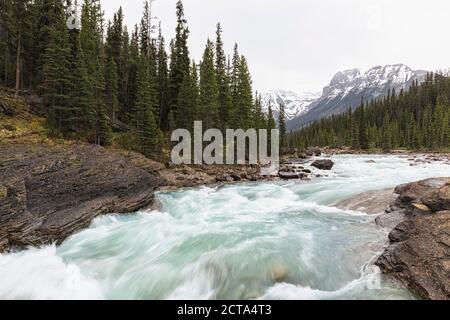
[
  {"x": 244, "y": 95},
  {"x": 271, "y": 125},
  {"x": 234, "y": 88},
  {"x": 386, "y": 131},
  {"x": 258, "y": 114},
  {"x": 112, "y": 90},
  {"x": 363, "y": 139},
  {"x": 282, "y": 125},
  {"x": 355, "y": 132},
  {"x": 209, "y": 91},
  {"x": 56, "y": 67},
  {"x": 6, "y": 41},
  {"x": 91, "y": 38},
  {"x": 145, "y": 122},
  {"x": 179, "y": 66},
  {"x": 225, "y": 103},
  {"x": 163, "y": 74}
]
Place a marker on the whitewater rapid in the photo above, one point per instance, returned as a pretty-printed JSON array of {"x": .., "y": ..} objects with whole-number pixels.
[{"x": 271, "y": 240}]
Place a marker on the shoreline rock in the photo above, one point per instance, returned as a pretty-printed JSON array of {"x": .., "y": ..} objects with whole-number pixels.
[
  {"x": 419, "y": 250},
  {"x": 371, "y": 202},
  {"x": 50, "y": 192},
  {"x": 418, "y": 217}
]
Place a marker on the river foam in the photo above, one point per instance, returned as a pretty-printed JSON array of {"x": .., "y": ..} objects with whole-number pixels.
[{"x": 281, "y": 240}]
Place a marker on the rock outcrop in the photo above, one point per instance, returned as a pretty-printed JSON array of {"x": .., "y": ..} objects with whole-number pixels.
[
  {"x": 371, "y": 202},
  {"x": 184, "y": 176},
  {"x": 419, "y": 251},
  {"x": 323, "y": 164},
  {"x": 49, "y": 192}
]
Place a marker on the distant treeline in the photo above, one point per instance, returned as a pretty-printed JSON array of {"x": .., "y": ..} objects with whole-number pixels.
[
  {"x": 418, "y": 118},
  {"x": 102, "y": 77}
]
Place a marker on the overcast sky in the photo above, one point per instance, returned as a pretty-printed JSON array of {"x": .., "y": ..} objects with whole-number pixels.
[{"x": 300, "y": 44}]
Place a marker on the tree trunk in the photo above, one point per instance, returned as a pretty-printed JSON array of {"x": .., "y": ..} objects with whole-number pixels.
[{"x": 16, "y": 95}]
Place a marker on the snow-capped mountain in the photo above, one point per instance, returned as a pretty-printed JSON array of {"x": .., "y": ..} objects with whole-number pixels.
[
  {"x": 349, "y": 87},
  {"x": 296, "y": 104}
]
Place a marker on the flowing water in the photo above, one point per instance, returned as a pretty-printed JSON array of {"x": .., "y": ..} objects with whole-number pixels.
[{"x": 272, "y": 240}]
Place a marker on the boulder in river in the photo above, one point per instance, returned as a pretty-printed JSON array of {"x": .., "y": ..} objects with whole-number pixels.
[
  {"x": 326, "y": 164},
  {"x": 289, "y": 175}
]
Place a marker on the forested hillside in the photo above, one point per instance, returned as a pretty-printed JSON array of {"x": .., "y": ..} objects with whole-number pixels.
[
  {"x": 103, "y": 81},
  {"x": 415, "y": 119}
]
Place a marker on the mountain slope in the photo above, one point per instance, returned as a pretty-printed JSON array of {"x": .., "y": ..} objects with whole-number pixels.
[
  {"x": 295, "y": 104},
  {"x": 348, "y": 88}
]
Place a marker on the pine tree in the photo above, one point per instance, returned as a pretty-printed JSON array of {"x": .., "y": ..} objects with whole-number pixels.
[
  {"x": 386, "y": 131},
  {"x": 363, "y": 139},
  {"x": 209, "y": 91},
  {"x": 80, "y": 89},
  {"x": 124, "y": 77},
  {"x": 271, "y": 124},
  {"x": 112, "y": 90},
  {"x": 282, "y": 124},
  {"x": 6, "y": 41},
  {"x": 19, "y": 18},
  {"x": 234, "y": 88},
  {"x": 188, "y": 100},
  {"x": 225, "y": 103},
  {"x": 244, "y": 95},
  {"x": 90, "y": 84},
  {"x": 56, "y": 74},
  {"x": 133, "y": 65},
  {"x": 163, "y": 74},
  {"x": 91, "y": 38},
  {"x": 145, "y": 122},
  {"x": 115, "y": 69},
  {"x": 258, "y": 114},
  {"x": 179, "y": 66},
  {"x": 354, "y": 132}
]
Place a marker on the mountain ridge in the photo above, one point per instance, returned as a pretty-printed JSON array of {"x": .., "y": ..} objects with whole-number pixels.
[
  {"x": 296, "y": 104},
  {"x": 348, "y": 87}
]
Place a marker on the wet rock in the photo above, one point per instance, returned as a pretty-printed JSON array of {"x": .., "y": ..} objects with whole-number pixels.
[
  {"x": 390, "y": 220},
  {"x": 313, "y": 152},
  {"x": 420, "y": 245},
  {"x": 289, "y": 175},
  {"x": 323, "y": 164},
  {"x": 49, "y": 193},
  {"x": 419, "y": 190},
  {"x": 372, "y": 202}
]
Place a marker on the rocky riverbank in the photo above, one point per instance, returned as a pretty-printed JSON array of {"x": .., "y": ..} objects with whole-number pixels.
[
  {"x": 419, "y": 251},
  {"x": 418, "y": 217},
  {"x": 48, "y": 192}
]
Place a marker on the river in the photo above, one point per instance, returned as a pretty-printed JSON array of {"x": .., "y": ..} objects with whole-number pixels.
[{"x": 266, "y": 240}]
